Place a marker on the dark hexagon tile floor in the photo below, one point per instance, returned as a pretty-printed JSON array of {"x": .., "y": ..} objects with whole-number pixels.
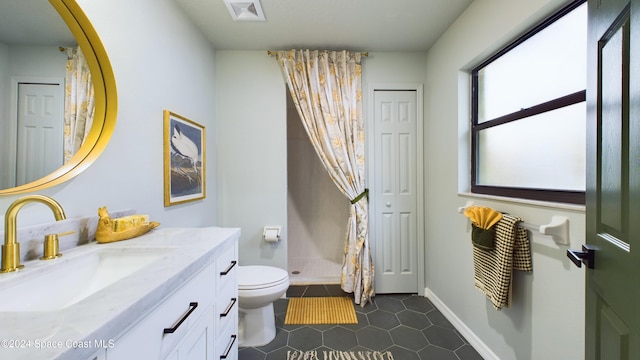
[{"x": 408, "y": 326}]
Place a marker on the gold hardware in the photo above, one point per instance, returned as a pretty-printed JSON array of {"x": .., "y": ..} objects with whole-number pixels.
[
  {"x": 52, "y": 246},
  {"x": 11, "y": 257},
  {"x": 11, "y": 247}
]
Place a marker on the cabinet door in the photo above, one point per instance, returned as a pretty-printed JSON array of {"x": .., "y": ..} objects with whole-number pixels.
[
  {"x": 99, "y": 355},
  {"x": 198, "y": 343},
  {"x": 227, "y": 306},
  {"x": 184, "y": 310}
]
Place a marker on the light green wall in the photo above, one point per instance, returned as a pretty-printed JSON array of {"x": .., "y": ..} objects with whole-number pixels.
[
  {"x": 160, "y": 62},
  {"x": 546, "y": 318},
  {"x": 251, "y": 113}
]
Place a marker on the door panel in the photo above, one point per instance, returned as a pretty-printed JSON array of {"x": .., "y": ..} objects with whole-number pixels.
[
  {"x": 40, "y": 131},
  {"x": 395, "y": 188},
  {"x": 614, "y": 334},
  {"x": 613, "y": 180}
]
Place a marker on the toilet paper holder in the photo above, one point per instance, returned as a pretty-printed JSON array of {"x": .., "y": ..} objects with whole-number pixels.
[{"x": 271, "y": 233}]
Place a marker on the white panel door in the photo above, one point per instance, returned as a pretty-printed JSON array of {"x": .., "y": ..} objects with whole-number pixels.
[
  {"x": 395, "y": 191},
  {"x": 40, "y": 131}
]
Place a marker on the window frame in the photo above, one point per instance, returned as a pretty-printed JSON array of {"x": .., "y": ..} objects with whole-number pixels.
[{"x": 557, "y": 195}]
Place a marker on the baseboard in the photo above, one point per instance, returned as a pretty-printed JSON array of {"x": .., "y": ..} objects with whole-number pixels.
[{"x": 471, "y": 337}]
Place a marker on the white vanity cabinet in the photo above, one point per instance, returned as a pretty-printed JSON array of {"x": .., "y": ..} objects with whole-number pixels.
[
  {"x": 99, "y": 355},
  {"x": 226, "y": 315},
  {"x": 187, "y": 324},
  {"x": 197, "y": 343}
]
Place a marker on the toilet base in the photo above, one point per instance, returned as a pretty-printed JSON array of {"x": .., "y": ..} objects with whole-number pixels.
[{"x": 256, "y": 327}]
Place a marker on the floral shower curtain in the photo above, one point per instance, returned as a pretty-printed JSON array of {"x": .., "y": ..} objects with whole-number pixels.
[
  {"x": 326, "y": 87},
  {"x": 78, "y": 103}
]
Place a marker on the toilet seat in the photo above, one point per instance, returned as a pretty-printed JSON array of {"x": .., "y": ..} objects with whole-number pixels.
[{"x": 255, "y": 277}]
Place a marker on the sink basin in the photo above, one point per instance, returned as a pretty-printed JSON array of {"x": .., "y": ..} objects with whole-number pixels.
[{"x": 56, "y": 284}]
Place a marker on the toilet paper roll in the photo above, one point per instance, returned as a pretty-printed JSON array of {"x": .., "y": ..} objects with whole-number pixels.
[{"x": 271, "y": 235}]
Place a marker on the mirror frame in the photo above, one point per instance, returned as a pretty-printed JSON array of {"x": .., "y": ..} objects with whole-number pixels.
[{"x": 105, "y": 100}]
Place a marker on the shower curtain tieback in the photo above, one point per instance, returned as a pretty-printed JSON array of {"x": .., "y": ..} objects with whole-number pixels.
[{"x": 365, "y": 193}]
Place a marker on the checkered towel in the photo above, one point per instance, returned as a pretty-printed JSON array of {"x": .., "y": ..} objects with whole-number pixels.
[{"x": 493, "y": 269}]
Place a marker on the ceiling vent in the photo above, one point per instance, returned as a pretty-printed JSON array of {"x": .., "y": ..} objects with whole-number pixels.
[{"x": 245, "y": 10}]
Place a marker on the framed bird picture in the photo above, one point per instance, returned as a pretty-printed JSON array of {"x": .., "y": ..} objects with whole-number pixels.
[{"x": 184, "y": 159}]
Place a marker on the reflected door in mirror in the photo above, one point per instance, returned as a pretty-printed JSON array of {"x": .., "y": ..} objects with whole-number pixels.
[{"x": 40, "y": 130}]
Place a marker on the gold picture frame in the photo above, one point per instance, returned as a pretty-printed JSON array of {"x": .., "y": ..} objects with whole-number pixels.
[{"x": 184, "y": 159}]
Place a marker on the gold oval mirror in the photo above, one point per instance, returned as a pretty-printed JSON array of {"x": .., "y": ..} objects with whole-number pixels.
[{"x": 104, "y": 99}]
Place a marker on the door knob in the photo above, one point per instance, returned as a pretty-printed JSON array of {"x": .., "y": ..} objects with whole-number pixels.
[
  {"x": 586, "y": 256},
  {"x": 388, "y": 204}
]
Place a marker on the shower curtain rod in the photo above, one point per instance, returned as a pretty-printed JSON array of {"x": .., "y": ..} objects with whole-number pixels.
[{"x": 273, "y": 52}]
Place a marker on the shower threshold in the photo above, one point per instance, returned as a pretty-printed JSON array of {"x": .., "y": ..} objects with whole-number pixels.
[{"x": 311, "y": 271}]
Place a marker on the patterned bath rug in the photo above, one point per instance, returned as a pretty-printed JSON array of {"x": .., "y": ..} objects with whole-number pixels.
[
  {"x": 339, "y": 355},
  {"x": 320, "y": 310}
]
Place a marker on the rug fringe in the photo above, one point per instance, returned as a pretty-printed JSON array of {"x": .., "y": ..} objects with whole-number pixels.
[{"x": 339, "y": 355}]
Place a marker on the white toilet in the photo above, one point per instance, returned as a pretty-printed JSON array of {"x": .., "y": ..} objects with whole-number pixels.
[{"x": 258, "y": 287}]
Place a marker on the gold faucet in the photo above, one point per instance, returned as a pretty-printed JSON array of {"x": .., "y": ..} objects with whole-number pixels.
[{"x": 11, "y": 247}]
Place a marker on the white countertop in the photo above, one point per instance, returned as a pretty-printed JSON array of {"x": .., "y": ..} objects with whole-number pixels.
[{"x": 73, "y": 332}]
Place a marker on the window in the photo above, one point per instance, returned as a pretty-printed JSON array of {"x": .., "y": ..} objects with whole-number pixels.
[{"x": 528, "y": 126}]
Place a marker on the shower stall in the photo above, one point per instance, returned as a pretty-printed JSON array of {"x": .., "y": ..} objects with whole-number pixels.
[{"x": 316, "y": 211}]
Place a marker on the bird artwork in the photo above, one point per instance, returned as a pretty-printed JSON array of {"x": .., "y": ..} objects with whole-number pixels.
[{"x": 186, "y": 149}]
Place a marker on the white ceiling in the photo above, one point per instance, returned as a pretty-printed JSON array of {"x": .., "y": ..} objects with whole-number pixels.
[
  {"x": 357, "y": 25},
  {"x": 32, "y": 22}
]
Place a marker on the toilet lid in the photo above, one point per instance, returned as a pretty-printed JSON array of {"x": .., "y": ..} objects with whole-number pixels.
[{"x": 258, "y": 277}]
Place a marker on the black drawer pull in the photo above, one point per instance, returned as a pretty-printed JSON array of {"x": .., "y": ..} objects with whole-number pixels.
[
  {"x": 233, "y": 263},
  {"x": 171, "y": 330},
  {"x": 229, "y": 307},
  {"x": 228, "y": 349}
]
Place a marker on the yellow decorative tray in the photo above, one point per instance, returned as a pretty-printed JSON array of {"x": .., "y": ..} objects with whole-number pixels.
[{"x": 123, "y": 228}]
